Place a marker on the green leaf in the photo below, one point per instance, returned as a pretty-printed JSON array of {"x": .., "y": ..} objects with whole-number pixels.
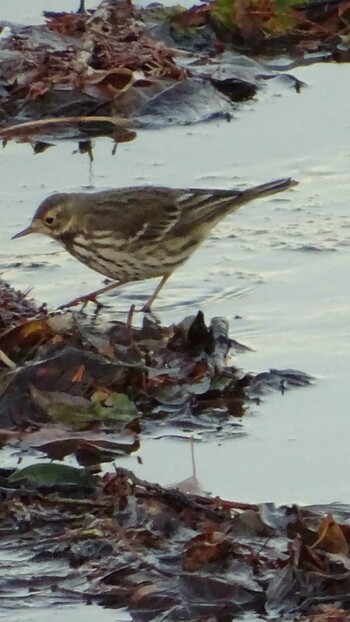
[
  {"x": 52, "y": 475},
  {"x": 69, "y": 414},
  {"x": 222, "y": 12},
  {"x": 237, "y": 14},
  {"x": 116, "y": 407}
]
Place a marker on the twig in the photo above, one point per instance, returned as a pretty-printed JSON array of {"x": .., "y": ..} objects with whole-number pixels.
[{"x": 6, "y": 360}]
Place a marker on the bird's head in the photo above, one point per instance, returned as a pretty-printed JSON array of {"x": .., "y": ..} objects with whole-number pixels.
[{"x": 54, "y": 217}]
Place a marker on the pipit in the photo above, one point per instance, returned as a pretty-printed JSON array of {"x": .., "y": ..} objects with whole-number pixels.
[{"x": 132, "y": 234}]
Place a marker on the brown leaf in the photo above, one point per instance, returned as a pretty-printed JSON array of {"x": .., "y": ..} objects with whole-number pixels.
[
  {"x": 327, "y": 613},
  {"x": 195, "y": 16},
  {"x": 68, "y": 24},
  {"x": 303, "y": 557},
  {"x": 204, "y": 549},
  {"x": 241, "y": 16},
  {"x": 26, "y": 335},
  {"x": 105, "y": 84},
  {"x": 78, "y": 376},
  {"x": 330, "y": 537},
  {"x": 142, "y": 591}
]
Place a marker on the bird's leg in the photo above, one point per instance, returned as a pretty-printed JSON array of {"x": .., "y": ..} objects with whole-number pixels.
[
  {"x": 130, "y": 318},
  {"x": 90, "y": 297},
  {"x": 150, "y": 301},
  {"x": 93, "y": 295}
]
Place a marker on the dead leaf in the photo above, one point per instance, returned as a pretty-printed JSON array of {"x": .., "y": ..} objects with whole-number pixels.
[
  {"x": 204, "y": 549},
  {"x": 78, "y": 376},
  {"x": 330, "y": 537}
]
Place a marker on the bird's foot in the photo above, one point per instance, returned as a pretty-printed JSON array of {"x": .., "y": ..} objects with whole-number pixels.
[
  {"x": 83, "y": 300},
  {"x": 92, "y": 297},
  {"x": 149, "y": 314},
  {"x": 145, "y": 309}
]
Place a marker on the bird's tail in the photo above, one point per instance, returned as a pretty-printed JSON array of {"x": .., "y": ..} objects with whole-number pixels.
[
  {"x": 203, "y": 209},
  {"x": 271, "y": 187}
]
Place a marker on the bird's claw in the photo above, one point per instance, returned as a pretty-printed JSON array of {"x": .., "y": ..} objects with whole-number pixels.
[
  {"x": 146, "y": 309},
  {"x": 82, "y": 300}
]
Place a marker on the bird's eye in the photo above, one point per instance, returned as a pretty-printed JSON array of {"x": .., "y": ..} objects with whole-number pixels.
[{"x": 49, "y": 220}]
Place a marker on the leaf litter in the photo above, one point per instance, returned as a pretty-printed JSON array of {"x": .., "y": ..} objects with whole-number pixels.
[
  {"x": 69, "y": 385},
  {"x": 161, "y": 554},
  {"x": 79, "y": 389},
  {"x": 120, "y": 67},
  {"x": 108, "y": 72},
  {"x": 70, "y": 388}
]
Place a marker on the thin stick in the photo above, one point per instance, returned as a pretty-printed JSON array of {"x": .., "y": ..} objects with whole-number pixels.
[{"x": 6, "y": 360}]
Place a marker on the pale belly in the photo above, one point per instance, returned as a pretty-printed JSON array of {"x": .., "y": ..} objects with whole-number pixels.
[{"x": 135, "y": 263}]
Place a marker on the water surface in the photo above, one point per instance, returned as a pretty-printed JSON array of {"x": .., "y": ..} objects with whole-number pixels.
[{"x": 280, "y": 264}]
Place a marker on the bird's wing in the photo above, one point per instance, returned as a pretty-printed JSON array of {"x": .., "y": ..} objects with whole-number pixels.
[
  {"x": 205, "y": 208},
  {"x": 147, "y": 214},
  {"x": 136, "y": 215}
]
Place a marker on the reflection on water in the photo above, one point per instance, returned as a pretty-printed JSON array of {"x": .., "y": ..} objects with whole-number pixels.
[
  {"x": 31, "y": 13},
  {"x": 277, "y": 269}
]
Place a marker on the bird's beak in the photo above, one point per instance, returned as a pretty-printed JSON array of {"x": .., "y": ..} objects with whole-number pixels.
[{"x": 25, "y": 231}]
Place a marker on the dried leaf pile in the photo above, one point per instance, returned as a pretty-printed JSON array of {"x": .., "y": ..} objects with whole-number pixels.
[
  {"x": 78, "y": 65},
  {"x": 275, "y": 26},
  {"x": 96, "y": 54},
  {"x": 116, "y": 69},
  {"x": 122, "y": 542},
  {"x": 119, "y": 62},
  {"x": 70, "y": 388},
  {"x": 75, "y": 388}
]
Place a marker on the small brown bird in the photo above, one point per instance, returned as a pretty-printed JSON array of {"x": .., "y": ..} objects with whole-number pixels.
[{"x": 138, "y": 233}]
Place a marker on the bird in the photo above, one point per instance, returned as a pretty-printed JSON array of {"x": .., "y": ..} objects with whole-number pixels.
[{"x": 137, "y": 233}]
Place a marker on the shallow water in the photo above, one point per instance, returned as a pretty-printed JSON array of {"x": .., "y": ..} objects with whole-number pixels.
[
  {"x": 68, "y": 613},
  {"x": 23, "y": 12},
  {"x": 281, "y": 264}
]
